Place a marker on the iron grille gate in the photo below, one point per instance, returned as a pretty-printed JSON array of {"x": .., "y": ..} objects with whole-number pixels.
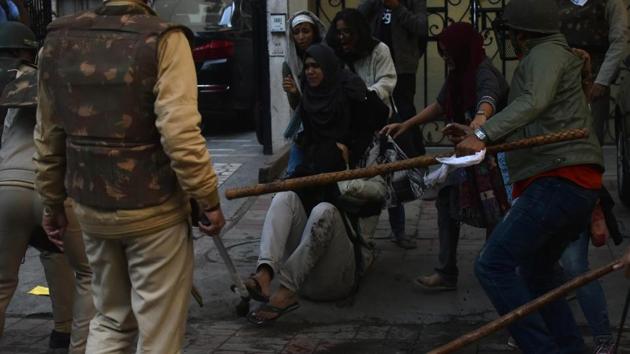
[
  {"x": 481, "y": 13},
  {"x": 40, "y": 13}
]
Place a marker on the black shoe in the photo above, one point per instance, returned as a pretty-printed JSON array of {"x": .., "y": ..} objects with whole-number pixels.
[
  {"x": 59, "y": 343},
  {"x": 403, "y": 241}
]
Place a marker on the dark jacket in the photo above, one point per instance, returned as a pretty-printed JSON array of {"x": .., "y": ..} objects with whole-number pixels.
[
  {"x": 491, "y": 88},
  {"x": 545, "y": 97},
  {"x": 409, "y": 26}
]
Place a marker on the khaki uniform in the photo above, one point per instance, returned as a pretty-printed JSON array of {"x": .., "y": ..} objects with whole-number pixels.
[
  {"x": 141, "y": 253},
  {"x": 20, "y": 216},
  {"x": 601, "y": 28}
]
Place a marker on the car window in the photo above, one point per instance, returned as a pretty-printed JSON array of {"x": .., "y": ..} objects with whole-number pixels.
[{"x": 198, "y": 15}]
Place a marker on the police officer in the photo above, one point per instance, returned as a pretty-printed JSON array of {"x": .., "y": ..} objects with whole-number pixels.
[
  {"x": 557, "y": 185},
  {"x": 17, "y": 44},
  {"x": 21, "y": 208},
  {"x": 599, "y": 27},
  {"x": 118, "y": 122}
]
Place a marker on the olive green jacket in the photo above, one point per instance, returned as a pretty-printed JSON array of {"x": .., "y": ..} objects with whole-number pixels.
[{"x": 546, "y": 97}]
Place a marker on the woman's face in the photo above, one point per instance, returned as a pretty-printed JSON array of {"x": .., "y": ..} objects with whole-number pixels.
[
  {"x": 449, "y": 61},
  {"x": 313, "y": 72},
  {"x": 303, "y": 35},
  {"x": 346, "y": 36}
]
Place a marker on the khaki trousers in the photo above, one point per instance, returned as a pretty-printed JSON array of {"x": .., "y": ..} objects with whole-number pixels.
[
  {"x": 142, "y": 289},
  {"x": 73, "y": 308}
]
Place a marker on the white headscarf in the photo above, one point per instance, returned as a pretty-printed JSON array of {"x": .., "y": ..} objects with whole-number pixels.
[{"x": 292, "y": 58}]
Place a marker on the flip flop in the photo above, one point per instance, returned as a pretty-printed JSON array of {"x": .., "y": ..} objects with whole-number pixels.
[
  {"x": 251, "y": 317},
  {"x": 256, "y": 292}
]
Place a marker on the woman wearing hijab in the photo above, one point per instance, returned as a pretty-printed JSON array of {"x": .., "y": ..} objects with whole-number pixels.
[
  {"x": 304, "y": 241},
  {"x": 473, "y": 92},
  {"x": 303, "y": 30}
]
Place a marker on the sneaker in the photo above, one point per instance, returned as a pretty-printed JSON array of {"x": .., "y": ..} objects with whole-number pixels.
[
  {"x": 58, "y": 343},
  {"x": 404, "y": 242},
  {"x": 606, "y": 347},
  {"x": 435, "y": 282}
]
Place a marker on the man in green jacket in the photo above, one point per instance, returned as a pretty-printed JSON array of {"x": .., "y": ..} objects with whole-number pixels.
[{"x": 557, "y": 185}]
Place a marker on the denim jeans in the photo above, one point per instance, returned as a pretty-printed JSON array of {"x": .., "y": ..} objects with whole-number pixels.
[
  {"x": 591, "y": 296},
  {"x": 549, "y": 214},
  {"x": 296, "y": 156},
  {"x": 505, "y": 174}
]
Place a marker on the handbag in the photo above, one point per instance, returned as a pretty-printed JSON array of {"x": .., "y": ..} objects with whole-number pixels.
[{"x": 402, "y": 186}]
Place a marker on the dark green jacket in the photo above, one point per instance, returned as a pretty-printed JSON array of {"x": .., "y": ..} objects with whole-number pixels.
[{"x": 546, "y": 97}]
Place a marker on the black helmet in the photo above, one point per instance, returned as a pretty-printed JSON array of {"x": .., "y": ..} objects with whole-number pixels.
[
  {"x": 540, "y": 16},
  {"x": 16, "y": 35}
]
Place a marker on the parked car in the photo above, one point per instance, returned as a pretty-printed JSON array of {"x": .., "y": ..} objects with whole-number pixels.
[
  {"x": 622, "y": 132},
  {"x": 223, "y": 52}
]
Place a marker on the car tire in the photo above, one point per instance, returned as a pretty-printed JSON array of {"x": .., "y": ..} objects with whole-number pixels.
[{"x": 623, "y": 170}]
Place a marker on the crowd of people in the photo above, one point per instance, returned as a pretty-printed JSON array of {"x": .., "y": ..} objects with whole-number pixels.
[{"x": 103, "y": 185}]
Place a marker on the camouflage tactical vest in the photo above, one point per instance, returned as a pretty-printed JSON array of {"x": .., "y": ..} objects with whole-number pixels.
[
  {"x": 585, "y": 26},
  {"x": 21, "y": 92},
  {"x": 100, "y": 68},
  {"x": 8, "y": 72}
]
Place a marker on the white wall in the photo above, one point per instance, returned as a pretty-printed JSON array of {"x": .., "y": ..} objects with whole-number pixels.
[{"x": 280, "y": 110}]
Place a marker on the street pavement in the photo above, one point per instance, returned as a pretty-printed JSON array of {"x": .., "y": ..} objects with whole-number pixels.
[{"x": 388, "y": 314}]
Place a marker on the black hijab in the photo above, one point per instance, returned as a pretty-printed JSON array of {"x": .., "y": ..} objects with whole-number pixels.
[
  {"x": 326, "y": 108},
  {"x": 361, "y": 30}
]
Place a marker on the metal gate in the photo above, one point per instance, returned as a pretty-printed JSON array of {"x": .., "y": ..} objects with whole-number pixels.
[
  {"x": 481, "y": 13},
  {"x": 40, "y": 13}
]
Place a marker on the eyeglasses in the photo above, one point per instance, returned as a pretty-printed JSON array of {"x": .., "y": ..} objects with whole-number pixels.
[
  {"x": 311, "y": 66},
  {"x": 344, "y": 32}
]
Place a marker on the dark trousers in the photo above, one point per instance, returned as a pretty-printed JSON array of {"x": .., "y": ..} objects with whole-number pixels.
[
  {"x": 404, "y": 94},
  {"x": 531, "y": 238},
  {"x": 448, "y": 230}
]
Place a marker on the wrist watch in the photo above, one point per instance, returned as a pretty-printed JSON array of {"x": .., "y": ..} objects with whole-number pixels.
[{"x": 481, "y": 134}]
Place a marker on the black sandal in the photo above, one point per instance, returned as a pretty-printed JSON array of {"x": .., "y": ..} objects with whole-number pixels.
[{"x": 256, "y": 292}]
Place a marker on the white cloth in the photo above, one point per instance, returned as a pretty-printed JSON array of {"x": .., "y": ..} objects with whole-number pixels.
[
  {"x": 450, "y": 164},
  {"x": 579, "y": 2},
  {"x": 299, "y": 19}
]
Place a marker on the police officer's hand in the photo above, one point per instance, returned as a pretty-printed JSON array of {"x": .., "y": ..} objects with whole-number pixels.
[
  {"x": 214, "y": 223},
  {"x": 289, "y": 86},
  {"x": 391, "y": 4},
  {"x": 394, "y": 129},
  {"x": 55, "y": 227},
  {"x": 469, "y": 146},
  {"x": 456, "y": 132}
]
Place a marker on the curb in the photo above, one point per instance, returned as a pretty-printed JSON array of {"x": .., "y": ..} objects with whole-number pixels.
[{"x": 276, "y": 164}]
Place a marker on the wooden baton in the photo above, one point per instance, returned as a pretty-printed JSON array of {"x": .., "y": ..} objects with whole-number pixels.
[
  {"x": 527, "y": 309},
  {"x": 376, "y": 170}
]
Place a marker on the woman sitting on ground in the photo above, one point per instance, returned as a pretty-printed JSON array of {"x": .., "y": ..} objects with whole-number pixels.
[{"x": 308, "y": 241}]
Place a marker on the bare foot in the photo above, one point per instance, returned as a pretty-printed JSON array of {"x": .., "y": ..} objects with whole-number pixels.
[
  {"x": 282, "y": 299},
  {"x": 263, "y": 277}
]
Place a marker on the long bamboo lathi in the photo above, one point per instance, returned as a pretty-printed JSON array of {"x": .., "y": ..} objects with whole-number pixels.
[
  {"x": 528, "y": 308},
  {"x": 420, "y": 161}
]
